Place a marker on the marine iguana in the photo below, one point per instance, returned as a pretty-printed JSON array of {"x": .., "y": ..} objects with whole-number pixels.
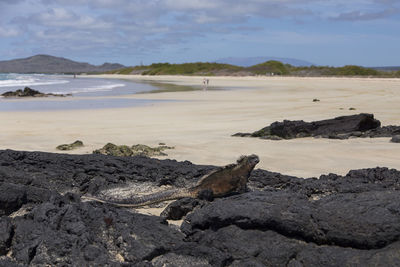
[{"x": 220, "y": 182}]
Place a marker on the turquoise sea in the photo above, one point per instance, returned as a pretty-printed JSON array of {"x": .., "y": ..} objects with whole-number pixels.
[{"x": 87, "y": 93}]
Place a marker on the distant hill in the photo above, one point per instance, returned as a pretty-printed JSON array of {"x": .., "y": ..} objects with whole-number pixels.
[
  {"x": 251, "y": 61},
  {"x": 50, "y": 64}
]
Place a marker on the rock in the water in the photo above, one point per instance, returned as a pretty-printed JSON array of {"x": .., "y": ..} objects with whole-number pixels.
[
  {"x": 21, "y": 93},
  {"x": 395, "y": 139},
  {"x": 71, "y": 146},
  {"x": 28, "y": 92},
  {"x": 361, "y": 125},
  {"x": 135, "y": 150}
]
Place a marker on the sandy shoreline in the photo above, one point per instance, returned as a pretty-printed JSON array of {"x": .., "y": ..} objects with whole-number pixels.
[{"x": 199, "y": 125}]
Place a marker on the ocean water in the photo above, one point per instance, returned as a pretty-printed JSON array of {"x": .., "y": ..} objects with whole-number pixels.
[{"x": 87, "y": 93}]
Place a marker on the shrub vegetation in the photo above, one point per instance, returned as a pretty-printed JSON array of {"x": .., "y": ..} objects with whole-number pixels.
[
  {"x": 271, "y": 67},
  {"x": 188, "y": 68}
]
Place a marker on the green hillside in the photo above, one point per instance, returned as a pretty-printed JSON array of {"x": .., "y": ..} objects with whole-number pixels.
[
  {"x": 198, "y": 68},
  {"x": 269, "y": 68}
]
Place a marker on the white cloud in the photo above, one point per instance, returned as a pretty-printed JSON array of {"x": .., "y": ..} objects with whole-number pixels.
[
  {"x": 61, "y": 17},
  {"x": 359, "y": 15},
  {"x": 146, "y": 25},
  {"x": 10, "y": 32},
  {"x": 192, "y": 5}
]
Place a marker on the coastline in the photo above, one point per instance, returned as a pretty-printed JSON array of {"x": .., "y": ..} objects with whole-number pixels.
[{"x": 200, "y": 123}]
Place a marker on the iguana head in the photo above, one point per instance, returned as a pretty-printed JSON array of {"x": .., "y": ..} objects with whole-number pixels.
[{"x": 250, "y": 160}]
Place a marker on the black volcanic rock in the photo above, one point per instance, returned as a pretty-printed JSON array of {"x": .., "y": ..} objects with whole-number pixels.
[
  {"x": 344, "y": 220},
  {"x": 28, "y": 92},
  {"x": 344, "y": 127},
  {"x": 74, "y": 145},
  {"x": 250, "y": 247},
  {"x": 395, "y": 139},
  {"x": 91, "y": 173},
  {"x": 21, "y": 93},
  {"x": 340, "y": 125},
  {"x": 50, "y": 64},
  {"x": 282, "y": 221},
  {"x": 5, "y": 235},
  {"x": 65, "y": 232},
  {"x": 178, "y": 209}
]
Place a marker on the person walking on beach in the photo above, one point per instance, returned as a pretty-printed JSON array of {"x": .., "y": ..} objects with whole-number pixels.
[{"x": 205, "y": 83}]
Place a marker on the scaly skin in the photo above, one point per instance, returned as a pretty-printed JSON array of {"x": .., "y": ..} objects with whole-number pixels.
[{"x": 221, "y": 182}]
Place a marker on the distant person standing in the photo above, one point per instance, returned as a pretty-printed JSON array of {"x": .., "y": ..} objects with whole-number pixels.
[{"x": 205, "y": 83}]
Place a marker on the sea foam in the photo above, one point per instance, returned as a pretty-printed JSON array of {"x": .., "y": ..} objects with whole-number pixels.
[{"x": 13, "y": 80}]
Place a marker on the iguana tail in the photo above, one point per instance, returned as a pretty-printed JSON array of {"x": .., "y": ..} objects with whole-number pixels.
[{"x": 137, "y": 201}]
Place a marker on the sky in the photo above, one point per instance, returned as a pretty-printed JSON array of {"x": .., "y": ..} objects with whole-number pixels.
[{"x": 131, "y": 32}]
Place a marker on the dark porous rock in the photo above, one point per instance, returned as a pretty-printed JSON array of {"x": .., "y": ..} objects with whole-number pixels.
[
  {"x": 242, "y": 134},
  {"x": 395, "y": 139},
  {"x": 339, "y": 256},
  {"x": 356, "y": 181},
  {"x": 361, "y": 125},
  {"x": 340, "y": 125},
  {"x": 350, "y": 220},
  {"x": 92, "y": 173},
  {"x": 385, "y": 131},
  {"x": 6, "y": 234},
  {"x": 17, "y": 196},
  {"x": 22, "y": 93},
  {"x": 135, "y": 150},
  {"x": 250, "y": 247},
  {"x": 60, "y": 232},
  {"x": 178, "y": 209},
  {"x": 343, "y": 219},
  {"x": 12, "y": 197},
  {"x": 71, "y": 146},
  {"x": 275, "y": 229},
  {"x": 172, "y": 260},
  {"x": 339, "y": 136},
  {"x": 28, "y": 92},
  {"x": 8, "y": 262}
]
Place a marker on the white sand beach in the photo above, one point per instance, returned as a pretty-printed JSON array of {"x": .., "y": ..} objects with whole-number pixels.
[{"x": 199, "y": 124}]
